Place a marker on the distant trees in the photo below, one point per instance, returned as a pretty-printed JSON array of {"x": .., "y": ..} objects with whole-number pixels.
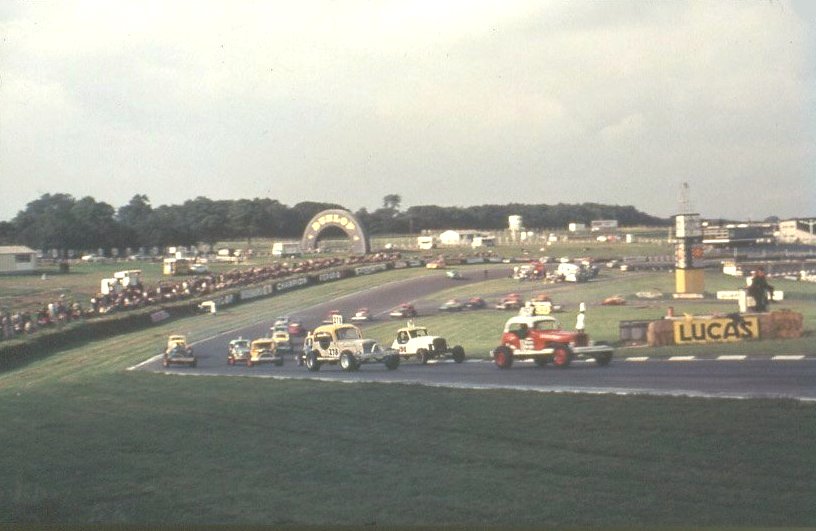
[{"x": 61, "y": 222}]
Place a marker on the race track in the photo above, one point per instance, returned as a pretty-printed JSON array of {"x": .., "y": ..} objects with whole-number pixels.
[{"x": 717, "y": 378}]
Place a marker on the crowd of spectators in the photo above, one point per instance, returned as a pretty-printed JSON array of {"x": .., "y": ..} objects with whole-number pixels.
[{"x": 140, "y": 295}]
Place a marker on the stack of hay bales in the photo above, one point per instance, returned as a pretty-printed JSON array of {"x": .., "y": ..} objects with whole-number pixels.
[{"x": 782, "y": 324}]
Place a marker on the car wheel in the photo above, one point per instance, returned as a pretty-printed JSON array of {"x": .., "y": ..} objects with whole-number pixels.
[
  {"x": 347, "y": 361},
  {"x": 392, "y": 362},
  {"x": 458, "y": 354},
  {"x": 562, "y": 356},
  {"x": 279, "y": 362},
  {"x": 312, "y": 362},
  {"x": 503, "y": 357},
  {"x": 422, "y": 356}
]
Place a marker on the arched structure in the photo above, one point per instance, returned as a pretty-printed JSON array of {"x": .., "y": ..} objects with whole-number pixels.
[{"x": 342, "y": 219}]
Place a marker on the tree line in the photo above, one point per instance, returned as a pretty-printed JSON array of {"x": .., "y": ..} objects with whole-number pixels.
[{"x": 60, "y": 221}]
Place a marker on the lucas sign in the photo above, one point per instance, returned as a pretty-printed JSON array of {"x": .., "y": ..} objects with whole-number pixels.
[{"x": 702, "y": 330}]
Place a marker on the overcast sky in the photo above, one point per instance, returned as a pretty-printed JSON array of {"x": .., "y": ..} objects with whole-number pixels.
[{"x": 442, "y": 102}]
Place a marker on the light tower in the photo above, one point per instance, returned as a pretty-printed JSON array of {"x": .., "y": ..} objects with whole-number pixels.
[{"x": 688, "y": 232}]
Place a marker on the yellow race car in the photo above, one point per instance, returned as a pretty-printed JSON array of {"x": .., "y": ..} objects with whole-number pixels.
[
  {"x": 178, "y": 352},
  {"x": 264, "y": 350}
]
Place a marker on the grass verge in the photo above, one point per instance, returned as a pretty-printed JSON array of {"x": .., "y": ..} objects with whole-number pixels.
[{"x": 153, "y": 449}]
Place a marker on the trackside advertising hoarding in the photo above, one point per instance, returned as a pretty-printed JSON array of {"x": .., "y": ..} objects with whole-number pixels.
[
  {"x": 370, "y": 269},
  {"x": 703, "y": 330},
  {"x": 292, "y": 283},
  {"x": 253, "y": 293},
  {"x": 330, "y": 276}
]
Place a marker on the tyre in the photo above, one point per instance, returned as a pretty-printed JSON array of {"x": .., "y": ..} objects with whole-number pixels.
[
  {"x": 503, "y": 357},
  {"x": 603, "y": 359},
  {"x": 422, "y": 356},
  {"x": 562, "y": 356},
  {"x": 279, "y": 363},
  {"x": 347, "y": 361},
  {"x": 311, "y": 362},
  {"x": 458, "y": 354},
  {"x": 392, "y": 362}
]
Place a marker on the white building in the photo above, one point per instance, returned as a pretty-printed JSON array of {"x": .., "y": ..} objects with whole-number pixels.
[
  {"x": 17, "y": 259},
  {"x": 460, "y": 237},
  {"x": 604, "y": 225},
  {"x": 797, "y": 230}
]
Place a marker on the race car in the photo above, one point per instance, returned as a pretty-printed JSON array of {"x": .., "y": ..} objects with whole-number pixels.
[
  {"x": 344, "y": 344},
  {"x": 237, "y": 350},
  {"x": 295, "y": 328},
  {"x": 178, "y": 352},
  {"x": 454, "y": 274},
  {"x": 332, "y": 316},
  {"x": 264, "y": 350},
  {"x": 475, "y": 303},
  {"x": 452, "y": 305},
  {"x": 283, "y": 342},
  {"x": 512, "y": 301},
  {"x": 362, "y": 315},
  {"x": 414, "y": 340},
  {"x": 540, "y": 338},
  {"x": 402, "y": 311}
]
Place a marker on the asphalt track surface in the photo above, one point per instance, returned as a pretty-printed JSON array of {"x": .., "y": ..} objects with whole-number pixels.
[{"x": 757, "y": 377}]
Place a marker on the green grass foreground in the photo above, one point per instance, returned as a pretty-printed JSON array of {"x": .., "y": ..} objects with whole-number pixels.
[
  {"x": 84, "y": 441},
  {"x": 152, "y": 449}
]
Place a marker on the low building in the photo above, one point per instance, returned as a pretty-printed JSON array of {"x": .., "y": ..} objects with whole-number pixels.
[
  {"x": 460, "y": 237},
  {"x": 737, "y": 235},
  {"x": 604, "y": 225},
  {"x": 797, "y": 231},
  {"x": 17, "y": 259}
]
